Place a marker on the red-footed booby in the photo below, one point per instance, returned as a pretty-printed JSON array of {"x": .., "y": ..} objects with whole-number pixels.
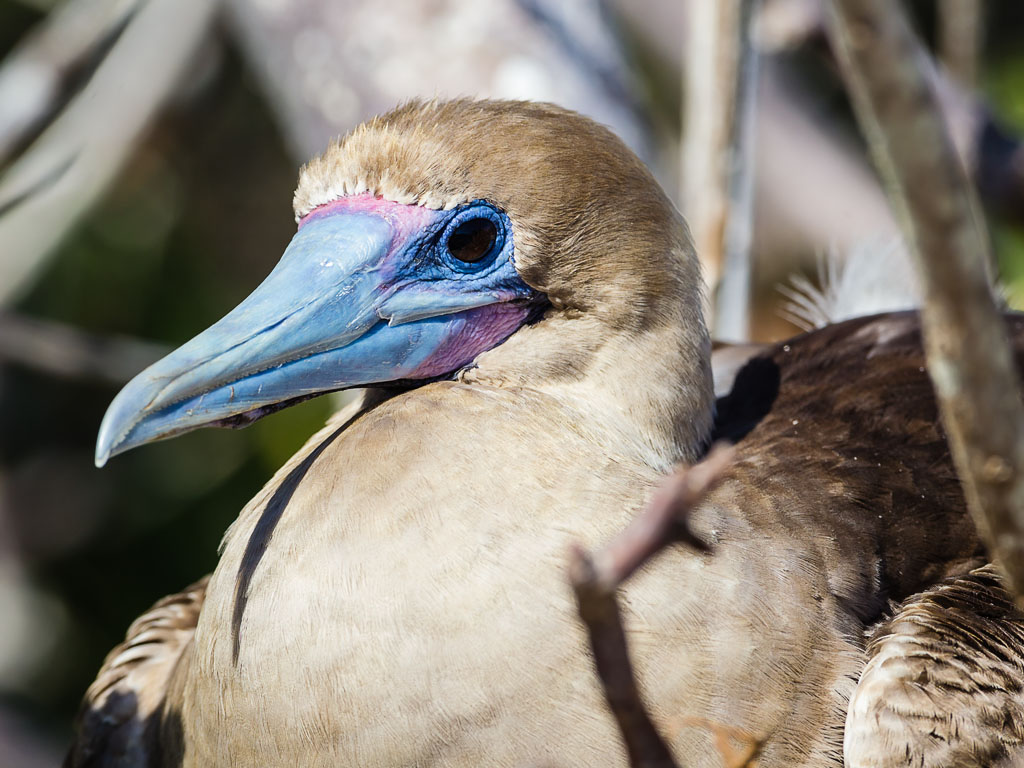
[{"x": 524, "y": 302}]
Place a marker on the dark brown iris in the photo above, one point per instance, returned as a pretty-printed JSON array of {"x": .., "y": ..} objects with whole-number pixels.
[{"x": 472, "y": 239}]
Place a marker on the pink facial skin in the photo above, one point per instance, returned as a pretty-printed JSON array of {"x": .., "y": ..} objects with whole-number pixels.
[
  {"x": 405, "y": 220},
  {"x": 482, "y": 329},
  {"x": 470, "y": 332}
]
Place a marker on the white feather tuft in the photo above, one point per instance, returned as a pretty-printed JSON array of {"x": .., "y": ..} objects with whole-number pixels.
[{"x": 871, "y": 277}]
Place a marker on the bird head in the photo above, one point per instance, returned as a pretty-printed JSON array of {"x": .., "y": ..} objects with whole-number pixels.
[{"x": 426, "y": 237}]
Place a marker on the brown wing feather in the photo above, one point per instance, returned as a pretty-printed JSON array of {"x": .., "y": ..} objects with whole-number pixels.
[
  {"x": 839, "y": 447},
  {"x": 118, "y": 722},
  {"x": 944, "y": 684},
  {"x": 839, "y": 437}
]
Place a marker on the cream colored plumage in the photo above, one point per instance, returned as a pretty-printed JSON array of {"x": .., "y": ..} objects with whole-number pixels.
[{"x": 396, "y": 595}]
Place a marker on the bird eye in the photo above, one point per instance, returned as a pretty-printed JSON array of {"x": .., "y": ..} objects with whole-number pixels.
[{"x": 472, "y": 240}]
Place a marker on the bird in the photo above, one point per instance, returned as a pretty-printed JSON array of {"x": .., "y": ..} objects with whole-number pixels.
[{"x": 521, "y": 305}]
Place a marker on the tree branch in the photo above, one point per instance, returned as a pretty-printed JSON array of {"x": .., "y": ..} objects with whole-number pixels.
[
  {"x": 72, "y": 163},
  {"x": 961, "y": 24},
  {"x": 32, "y": 76},
  {"x": 596, "y": 579},
  {"x": 716, "y": 186},
  {"x": 62, "y": 350},
  {"x": 969, "y": 358}
]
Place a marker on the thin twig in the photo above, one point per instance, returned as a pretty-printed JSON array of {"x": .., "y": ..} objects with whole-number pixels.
[
  {"x": 968, "y": 355},
  {"x": 596, "y": 579},
  {"x": 709, "y": 77},
  {"x": 732, "y": 305},
  {"x": 717, "y": 154},
  {"x": 600, "y": 612}
]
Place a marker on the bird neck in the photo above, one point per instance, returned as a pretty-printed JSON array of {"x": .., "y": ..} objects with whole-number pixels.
[{"x": 646, "y": 385}]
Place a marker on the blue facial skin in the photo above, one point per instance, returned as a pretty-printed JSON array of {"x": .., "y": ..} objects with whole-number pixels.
[{"x": 354, "y": 300}]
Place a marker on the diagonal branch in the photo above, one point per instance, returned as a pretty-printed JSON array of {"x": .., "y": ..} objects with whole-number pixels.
[
  {"x": 33, "y": 76},
  {"x": 596, "y": 579},
  {"x": 969, "y": 359},
  {"x": 45, "y": 192},
  {"x": 63, "y": 350}
]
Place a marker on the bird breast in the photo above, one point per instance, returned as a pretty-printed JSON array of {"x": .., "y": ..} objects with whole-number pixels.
[
  {"x": 363, "y": 596},
  {"x": 358, "y": 598}
]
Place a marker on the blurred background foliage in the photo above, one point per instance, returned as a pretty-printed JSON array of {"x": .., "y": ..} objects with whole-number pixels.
[{"x": 201, "y": 211}]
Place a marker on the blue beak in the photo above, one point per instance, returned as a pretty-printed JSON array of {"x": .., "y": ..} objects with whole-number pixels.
[{"x": 347, "y": 305}]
